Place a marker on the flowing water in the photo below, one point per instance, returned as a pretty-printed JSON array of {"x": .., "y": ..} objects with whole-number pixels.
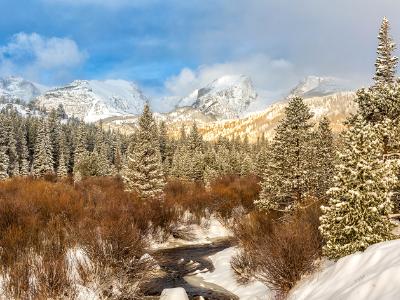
[{"x": 178, "y": 266}]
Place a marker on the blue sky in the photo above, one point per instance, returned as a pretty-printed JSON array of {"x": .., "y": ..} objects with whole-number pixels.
[{"x": 173, "y": 46}]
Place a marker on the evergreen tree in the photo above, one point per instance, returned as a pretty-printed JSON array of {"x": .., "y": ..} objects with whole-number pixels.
[
  {"x": 143, "y": 171},
  {"x": 386, "y": 62},
  {"x": 23, "y": 155},
  {"x": 382, "y": 100},
  {"x": 3, "y": 163},
  {"x": 163, "y": 140},
  {"x": 287, "y": 177},
  {"x": 62, "y": 171},
  {"x": 360, "y": 200},
  {"x": 100, "y": 152},
  {"x": 322, "y": 163},
  {"x": 262, "y": 160},
  {"x": 247, "y": 166},
  {"x": 13, "y": 166},
  {"x": 117, "y": 154},
  {"x": 43, "y": 158},
  {"x": 80, "y": 149}
]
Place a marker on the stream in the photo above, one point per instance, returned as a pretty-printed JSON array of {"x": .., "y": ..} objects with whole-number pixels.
[{"x": 181, "y": 263}]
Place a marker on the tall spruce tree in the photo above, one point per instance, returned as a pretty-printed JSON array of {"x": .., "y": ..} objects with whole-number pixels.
[
  {"x": 386, "y": 62},
  {"x": 287, "y": 177},
  {"x": 43, "y": 157},
  {"x": 323, "y": 160},
  {"x": 382, "y": 100},
  {"x": 3, "y": 163},
  {"x": 360, "y": 200},
  {"x": 143, "y": 170}
]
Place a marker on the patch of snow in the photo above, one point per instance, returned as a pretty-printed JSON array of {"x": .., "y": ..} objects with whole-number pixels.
[
  {"x": 75, "y": 259},
  {"x": 174, "y": 294},
  {"x": 224, "y": 276},
  {"x": 372, "y": 274}
]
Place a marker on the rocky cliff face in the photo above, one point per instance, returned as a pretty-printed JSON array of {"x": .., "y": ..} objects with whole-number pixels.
[{"x": 92, "y": 100}]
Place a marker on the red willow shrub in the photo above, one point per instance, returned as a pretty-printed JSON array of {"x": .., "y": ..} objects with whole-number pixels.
[{"x": 278, "y": 249}]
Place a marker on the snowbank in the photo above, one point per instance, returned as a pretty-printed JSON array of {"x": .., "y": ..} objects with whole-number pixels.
[
  {"x": 373, "y": 274},
  {"x": 224, "y": 276},
  {"x": 174, "y": 294}
]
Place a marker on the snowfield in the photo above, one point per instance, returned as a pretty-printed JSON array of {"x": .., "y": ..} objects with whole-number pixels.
[
  {"x": 373, "y": 274},
  {"x": 224, "y": 276}
]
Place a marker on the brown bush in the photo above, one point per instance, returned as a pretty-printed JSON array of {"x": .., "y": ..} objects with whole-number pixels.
[
  {"x": 278, "y": 250},
  {"x": 224, "y": 195},
  {"x": 41, "y": 220}
]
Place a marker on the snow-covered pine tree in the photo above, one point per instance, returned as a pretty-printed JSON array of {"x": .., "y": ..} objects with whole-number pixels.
[
  {"x": 286, "y": 179},
  {"x": 262, "y": 159},
  {"x": 13, "y": 166},
  {"x": 386, "y": 62},
  {"x": 62, "y": 171},
  {"x": 382, "y": 100},
  {"x": 79, "y": 150},
  {"x": 43, "y": 157},
  {"x": 100, "y": 151},
  {"x": 322, "y": 164},
  {"x": 3, "y": 163},
  {"x": 143, "y": 170},
  {"x": 196, "y": 157},
  {"x": 360, "y": 200},
  {"x": 55, "y": 132},
  {"x": 247, "y": 166},
  {"x": 117, "y": 154},
  {"x": 22, "y": 149}
]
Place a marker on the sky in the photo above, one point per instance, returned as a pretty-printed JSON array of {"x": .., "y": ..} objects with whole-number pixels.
[{"x": 170, "y": 47}]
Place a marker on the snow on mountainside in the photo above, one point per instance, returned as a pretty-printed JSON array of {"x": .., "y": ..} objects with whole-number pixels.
[
  {"x": 225, "y": 98},
  {"x": 337, "y": 107},
  {"x": 92, "y": 100},
  {"x": 14, "y": 88},
  {"x": 314, "y": 86}
]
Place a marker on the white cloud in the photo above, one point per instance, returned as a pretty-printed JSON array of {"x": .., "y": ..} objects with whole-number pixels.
[
  {"x": 271, "y": 77},
  {"x": 32, "y": 55}
]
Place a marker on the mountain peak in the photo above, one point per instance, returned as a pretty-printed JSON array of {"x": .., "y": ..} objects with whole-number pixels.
[
  {"x": 17, "y": 88},
  {"x": 226, "y": 97},
  {"x": 315, "y": 86},
  {"x": 92, "y": 100}
]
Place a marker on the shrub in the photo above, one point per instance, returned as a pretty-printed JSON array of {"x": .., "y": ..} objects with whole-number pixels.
[{"x": 278, "y": 250}]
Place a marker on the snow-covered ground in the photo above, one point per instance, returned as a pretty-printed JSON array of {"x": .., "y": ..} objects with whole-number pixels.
[
  {"x": 373, "y": 274},
  {"x": 224, "y": 276},
  {"x": 174, "y": 294}
]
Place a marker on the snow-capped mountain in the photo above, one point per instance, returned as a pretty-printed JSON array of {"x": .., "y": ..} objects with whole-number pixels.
[
  {"x": 225, "y": 98},
  {"x": 92, "y": 100},
  {"x": 315, "y": 86},
  {"x": 14, "y": 88}
]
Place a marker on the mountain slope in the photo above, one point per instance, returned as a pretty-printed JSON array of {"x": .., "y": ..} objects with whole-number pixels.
[
  {"x": 225, "y": 98},
  {"x": 337, "y": 107},
  {"x": 14, "y": 88},
  {"x": 92, "y": 100},
  {"x": 315, "y": 86}
]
